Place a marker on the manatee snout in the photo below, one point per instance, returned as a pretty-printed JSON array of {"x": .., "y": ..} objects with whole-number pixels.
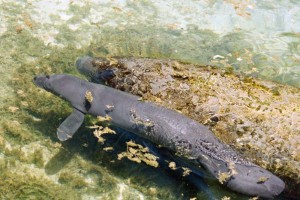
[
  {"x": 40, "y": 80},
  {"x": 84, "y": 63},
  {"x": 86, "y": 66}
]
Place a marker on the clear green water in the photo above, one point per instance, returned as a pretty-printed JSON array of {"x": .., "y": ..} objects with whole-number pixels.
[{"x": 258, "y": 38}]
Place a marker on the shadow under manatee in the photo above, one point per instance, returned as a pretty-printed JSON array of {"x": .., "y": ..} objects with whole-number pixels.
[
  {"x": 69, "y": 149},
  {"x": 86, "y": 145},
  {"x": 197, "y": 184},
  {"x": 59, "y": 161},
  {"x": 188, "y": 186}
]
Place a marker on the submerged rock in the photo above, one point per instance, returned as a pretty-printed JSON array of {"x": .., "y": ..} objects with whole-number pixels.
[{"x": 261, "y": 119}]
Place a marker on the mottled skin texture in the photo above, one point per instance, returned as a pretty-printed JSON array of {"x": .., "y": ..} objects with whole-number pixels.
[{"x": 170, "y": 129}]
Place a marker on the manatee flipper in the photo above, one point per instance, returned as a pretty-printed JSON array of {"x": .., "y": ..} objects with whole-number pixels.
[{"x": 71, "y": 124}]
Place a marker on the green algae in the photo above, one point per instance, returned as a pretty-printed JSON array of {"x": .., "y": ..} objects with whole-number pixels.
[
  {"x": 23, "y": 118},
  {"x": 20, "y": 186},
  {"x": 73, "y": 179},
  {"x": 16, "y": 131}
]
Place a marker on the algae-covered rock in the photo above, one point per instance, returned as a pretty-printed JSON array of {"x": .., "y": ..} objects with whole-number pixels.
[{"x": 261, "y": 119}]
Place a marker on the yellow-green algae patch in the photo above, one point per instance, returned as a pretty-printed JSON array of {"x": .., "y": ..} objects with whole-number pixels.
[
  {"x": 15, "y": 185},
  {"x": 19, "y": 179},
  {"x": 259, "y": 118},
  {"x": 138, "y": 153}
]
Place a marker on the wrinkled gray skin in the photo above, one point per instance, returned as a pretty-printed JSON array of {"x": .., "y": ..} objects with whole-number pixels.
[{"x": 189, "y": 139}]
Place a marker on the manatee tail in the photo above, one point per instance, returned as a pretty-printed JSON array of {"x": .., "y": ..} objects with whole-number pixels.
[
  {"x": 244, "y": 178},
  {"x": 71, "y": 124}
]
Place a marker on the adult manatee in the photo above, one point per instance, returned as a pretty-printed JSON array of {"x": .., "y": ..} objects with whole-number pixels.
[
  {"x": 259, "y": 118},
  {"x": 170, "y": 129}
]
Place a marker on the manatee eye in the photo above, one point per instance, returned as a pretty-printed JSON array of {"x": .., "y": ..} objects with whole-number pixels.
[{"x": 47, "y": 76}]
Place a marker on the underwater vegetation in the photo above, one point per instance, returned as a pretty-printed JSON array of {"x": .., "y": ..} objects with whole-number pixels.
[{"x": 34, "y": 165}]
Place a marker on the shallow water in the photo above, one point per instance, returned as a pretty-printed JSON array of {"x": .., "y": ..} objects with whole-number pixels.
[{"x": 258, "y": 38}]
